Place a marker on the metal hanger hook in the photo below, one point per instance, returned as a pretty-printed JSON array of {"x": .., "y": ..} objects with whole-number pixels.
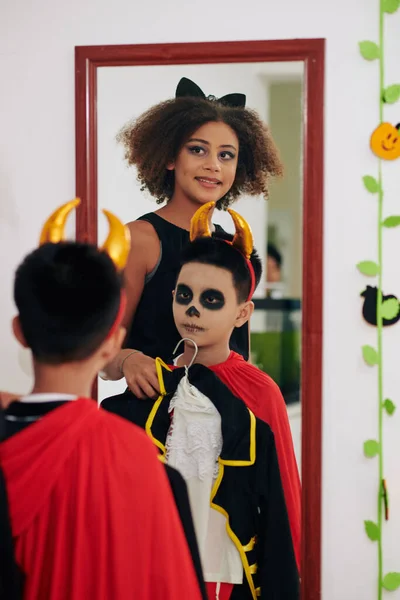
[{"x": 196, "y": 349}]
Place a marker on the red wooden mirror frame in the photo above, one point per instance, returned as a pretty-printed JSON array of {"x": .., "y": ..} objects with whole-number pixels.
[{"x": 312, "y": 52}]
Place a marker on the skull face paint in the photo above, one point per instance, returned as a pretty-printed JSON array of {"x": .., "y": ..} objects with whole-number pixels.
[
  {"x": 210, "y": 299},
  {"x": 192, "y": 312},
  {"x": 183, "y": 294},
  {"x": 205, "y": 303}
]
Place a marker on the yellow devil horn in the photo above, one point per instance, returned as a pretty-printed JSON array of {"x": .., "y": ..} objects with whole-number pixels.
[
  {"x": 53, "y": 229},
  {"x": 199, "y": 225},
  {"x": 118, "y": 242},
  {"x": 243, "y": 238}
]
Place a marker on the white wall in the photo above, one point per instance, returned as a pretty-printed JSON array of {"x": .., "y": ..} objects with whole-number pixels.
[{"x": 37, "y": 173}]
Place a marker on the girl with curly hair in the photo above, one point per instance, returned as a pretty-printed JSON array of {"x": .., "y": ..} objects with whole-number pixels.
[{"x": 187, "y": 151}]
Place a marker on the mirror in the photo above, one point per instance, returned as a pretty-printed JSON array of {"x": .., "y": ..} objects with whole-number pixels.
[
  {"x": 283, "y": 82},
  {"x": 275, "y": 91}
]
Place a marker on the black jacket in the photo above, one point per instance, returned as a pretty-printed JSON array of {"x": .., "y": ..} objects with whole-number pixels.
[{"x": 248, "y": 490}]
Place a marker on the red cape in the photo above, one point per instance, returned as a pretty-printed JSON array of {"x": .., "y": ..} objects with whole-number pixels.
[
  {"x": 263, "y": 397},
  {"x": 92, "y": 512}
]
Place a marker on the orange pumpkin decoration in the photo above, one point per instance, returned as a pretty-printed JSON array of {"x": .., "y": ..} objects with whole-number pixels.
[{"x": 385, "y": 141}]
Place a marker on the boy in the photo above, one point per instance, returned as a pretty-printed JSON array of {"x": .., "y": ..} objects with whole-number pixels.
[
  {"x": 91, "y": 510},
  {"x": 207, "y": 260},
  {"x": 212, "y": 297}
]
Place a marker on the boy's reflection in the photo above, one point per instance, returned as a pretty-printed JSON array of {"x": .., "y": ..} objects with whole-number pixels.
[{"x": 273, "y": 272}]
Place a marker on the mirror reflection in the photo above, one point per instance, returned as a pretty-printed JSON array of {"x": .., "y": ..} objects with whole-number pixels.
[{"x": 275, "y": 91}]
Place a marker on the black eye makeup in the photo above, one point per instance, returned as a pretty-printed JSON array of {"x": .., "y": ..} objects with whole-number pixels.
[
  {"x": 183, "y": 294},
  {"x": 212, "y": 299}
]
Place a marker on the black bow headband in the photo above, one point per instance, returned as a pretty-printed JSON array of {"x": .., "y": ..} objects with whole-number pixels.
[{"x": 187, "y": 88}]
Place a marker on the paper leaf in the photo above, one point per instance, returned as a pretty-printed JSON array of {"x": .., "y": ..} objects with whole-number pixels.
[
  {"x": 368, "y": 267},
  {"x": 393, "y": 221},
  {"x": 389, "y": 406},
  {"x": 371, "y": 448},
  {"x": 390, "y": 6},
  {"x": 390, "y": 308},
  {"x": 371, "y": 184},
  {"x": 372, "y": 530},
  {"x": 370, "y": 355},
  {"x": 392, "y": 94},
  {"x": 391, "y": 581},
  {"x": 369, "y": 50}
]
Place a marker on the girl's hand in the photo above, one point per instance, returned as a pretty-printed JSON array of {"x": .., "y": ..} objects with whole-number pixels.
[{"x": 140, "y": 373}]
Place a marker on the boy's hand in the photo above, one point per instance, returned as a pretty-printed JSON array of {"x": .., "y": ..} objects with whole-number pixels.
[{"x": 140, "y": 373}]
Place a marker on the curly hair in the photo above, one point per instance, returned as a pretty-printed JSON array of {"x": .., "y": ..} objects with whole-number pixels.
[{"x": 154, "y": 140}]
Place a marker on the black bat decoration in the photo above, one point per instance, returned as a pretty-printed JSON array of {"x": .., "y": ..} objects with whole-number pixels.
[{"x": 370, "y": 304}]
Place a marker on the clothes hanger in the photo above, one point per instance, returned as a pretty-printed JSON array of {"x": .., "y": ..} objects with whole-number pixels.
[{"x": 196, "y": 350}]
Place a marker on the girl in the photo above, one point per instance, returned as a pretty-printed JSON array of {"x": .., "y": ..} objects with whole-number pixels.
[{"x": 187, "y": 151}]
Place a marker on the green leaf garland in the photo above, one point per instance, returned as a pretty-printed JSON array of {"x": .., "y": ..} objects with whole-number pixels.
[
  {"x": 389, "y": 406},
  {"x": 391, "y": 582},
  {"x": 369, "y": 50},
  {"x": 369, "y": 268},
  {"x": 386, "y": 310},
  {"x": 372, "y": 530}
]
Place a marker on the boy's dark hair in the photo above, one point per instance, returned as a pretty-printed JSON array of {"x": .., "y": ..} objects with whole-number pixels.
[
  {"x": 216, "y": 252},
  {"x": 154, "y": 140},
  {"x": 68, "y": 296},
  {"x": 274, "y": 253}
]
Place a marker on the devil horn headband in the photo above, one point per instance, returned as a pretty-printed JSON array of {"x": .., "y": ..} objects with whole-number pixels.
[
  {"x": 117, "y": 244},
  {"x": 189, "y": 89},
  {"x": 243, "y": 238}
]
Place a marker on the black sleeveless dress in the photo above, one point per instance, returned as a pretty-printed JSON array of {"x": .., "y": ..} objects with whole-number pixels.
[{"x": 153, "y": 330}]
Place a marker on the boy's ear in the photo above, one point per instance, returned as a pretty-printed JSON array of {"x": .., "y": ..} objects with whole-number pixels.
[
  {"x": 120, "y": 336},
  {"x": 17, "y": 331},
  {"x": 244, "y": 314},
  {"x": 117, "y": 339},
  {"x": 111, "y": 346}
]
